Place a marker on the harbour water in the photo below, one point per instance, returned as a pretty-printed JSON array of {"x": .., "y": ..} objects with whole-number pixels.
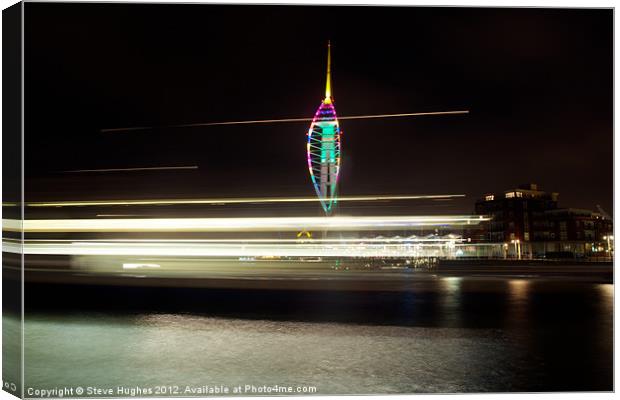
[{"x": 443, "y": 334}]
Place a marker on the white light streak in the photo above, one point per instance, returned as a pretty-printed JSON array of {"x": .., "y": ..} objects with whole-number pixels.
[
  {"x": 159, "y": 202},
  {"x": 279, "y": 224},
  {"x": 171, "y": 249},
  {"x": 138, "y": 266},
  {"x": 281, "y": 120},
  {"x": 131, "y": 169},
  {"x": 119, "y": 215},
  {"x": 248, "y": 240}
]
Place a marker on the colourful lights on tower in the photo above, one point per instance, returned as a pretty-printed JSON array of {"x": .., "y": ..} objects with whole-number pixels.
[{"x": 323, "y": 147}]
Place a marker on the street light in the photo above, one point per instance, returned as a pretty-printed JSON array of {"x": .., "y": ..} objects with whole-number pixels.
[
  {"x": 609, "y": 238},
  {"x": 517, "y": 244}
]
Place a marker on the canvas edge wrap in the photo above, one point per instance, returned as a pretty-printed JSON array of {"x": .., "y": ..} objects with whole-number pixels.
[{"x": 13, "y": 193}]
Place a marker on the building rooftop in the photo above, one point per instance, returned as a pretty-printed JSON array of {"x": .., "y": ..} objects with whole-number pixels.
[{"x": 529, "y": 190}]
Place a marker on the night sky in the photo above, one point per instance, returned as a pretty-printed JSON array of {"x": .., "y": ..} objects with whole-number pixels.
[{"x": 538, "y": 83}]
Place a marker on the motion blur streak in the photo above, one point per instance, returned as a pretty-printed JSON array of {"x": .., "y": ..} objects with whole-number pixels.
[
  {"x": 273, "y": 121},
  {"x": 252, "y": 240},
  {"x": 163, "y": 249},
  {"x": 132, "y": 169},
  {"x": 160, "y": 202},
  {"x": 235, "y": 224}
]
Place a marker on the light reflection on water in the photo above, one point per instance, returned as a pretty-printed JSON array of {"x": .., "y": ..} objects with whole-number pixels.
[
  {"x": 606, "y": 291},
  {"x": 444, "y": 335},
  {"x": 519, "y": 290}
]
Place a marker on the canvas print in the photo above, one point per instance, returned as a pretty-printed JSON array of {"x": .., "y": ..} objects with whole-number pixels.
[{"x": 236, "y": 200}]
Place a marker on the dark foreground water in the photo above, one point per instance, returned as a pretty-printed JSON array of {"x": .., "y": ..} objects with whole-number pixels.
[{"x": 444, "y": 334}]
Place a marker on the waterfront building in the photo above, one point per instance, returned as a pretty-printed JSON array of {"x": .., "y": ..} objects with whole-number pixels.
[{"x": 530, "y": 224}]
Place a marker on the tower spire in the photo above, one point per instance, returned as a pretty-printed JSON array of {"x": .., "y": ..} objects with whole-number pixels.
[{"x": 328, "y": 85}]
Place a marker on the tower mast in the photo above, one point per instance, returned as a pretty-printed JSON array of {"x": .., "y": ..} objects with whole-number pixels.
[{"x": 328, "y": 85}]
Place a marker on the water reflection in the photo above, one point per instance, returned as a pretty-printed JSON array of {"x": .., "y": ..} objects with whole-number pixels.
[
  {"x": 449, "y": 300},
  {"x": 440, "y": 335},
  {"x": 518, "y": 289},
  {"x": 606, "y": 291}
]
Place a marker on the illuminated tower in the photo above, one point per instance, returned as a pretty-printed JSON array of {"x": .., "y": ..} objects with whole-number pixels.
[{"x": 323, "y": 147}]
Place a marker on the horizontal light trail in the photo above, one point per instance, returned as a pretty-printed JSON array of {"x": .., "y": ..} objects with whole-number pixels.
[
  {"x": 131, "y": 169},
  {"x": 159, "y": 202},
  {"x": 281, "y": 120},
  {"x": 119, "y": 215},
  {"x": 419, "y": 114},
  {"x": 242, "y": 241},
  {"x": 167, "y": 250},
  {"x": 280, "y": 224}
]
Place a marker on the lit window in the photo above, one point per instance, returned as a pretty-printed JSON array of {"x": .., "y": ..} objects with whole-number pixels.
[
  {"x": 510, "y": 195},
  {"x": 519, "y": 194},
  {"x": 489, "y": 197}
]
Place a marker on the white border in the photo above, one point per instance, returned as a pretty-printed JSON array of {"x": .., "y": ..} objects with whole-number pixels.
[{"x": 479, "y": 3}]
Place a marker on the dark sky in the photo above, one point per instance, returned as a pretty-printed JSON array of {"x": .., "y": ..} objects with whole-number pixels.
[{"x": 538, "y": 83}]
